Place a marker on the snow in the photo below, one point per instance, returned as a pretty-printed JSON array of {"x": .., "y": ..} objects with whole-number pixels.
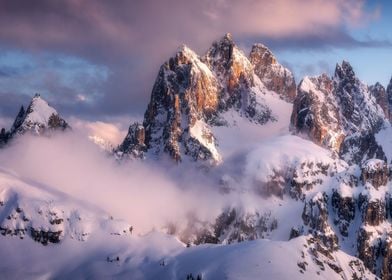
[
  {"x": 281, "y": 153},
  {"x": 157, "y": 256},
  {"x": 37, "y": 206},
  {"x": 201, "y": 132},
  {"x": 384, "y": 139},
  {"x": 372, "y": 165},
  {"x": 241, "y": 134},
  {"x": 40, "y": 112}
]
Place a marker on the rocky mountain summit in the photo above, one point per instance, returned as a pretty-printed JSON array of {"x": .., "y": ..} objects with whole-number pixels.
[
  {"x": 341, "y": 113},
  {"x": 39, "y": 118},
  {"x": 274, "y": 76},
  {"x": 192, "y": 94}
]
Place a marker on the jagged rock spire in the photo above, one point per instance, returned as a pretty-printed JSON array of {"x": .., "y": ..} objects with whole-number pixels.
[
  {"x": 344, "y": 71},
  {"x": 274, "y": 76},
  {"x": 380, "y": 94}
]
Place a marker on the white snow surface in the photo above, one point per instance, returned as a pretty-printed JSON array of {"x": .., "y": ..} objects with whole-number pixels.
[
  {"x": 384, "y": 139},
  {"x": 41, "y": 112},
  {"x": 158, "y": 256}
]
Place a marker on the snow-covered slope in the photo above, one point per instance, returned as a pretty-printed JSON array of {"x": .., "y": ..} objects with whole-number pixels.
[
  {"x": 38, "y": 119},
  {"x": 157, "y": 256},
  {"x": 33, "y": 211}
]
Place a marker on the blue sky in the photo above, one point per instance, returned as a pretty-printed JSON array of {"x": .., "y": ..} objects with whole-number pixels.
[
  {"x": 372, "y": 64},
  {"x": 99, "y": 58}
]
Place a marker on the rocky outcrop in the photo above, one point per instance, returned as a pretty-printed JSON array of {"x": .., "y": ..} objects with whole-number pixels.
[
  {"x": 315, "y": 215},
  {"x": 231, "y": 226},
  {"x": 373, "y": 210},
  {"x": 274, "y": 76},
  {"x": 361, "y": 146},
  {"x": 375, "y": 172},
  {"x": 389, "y": 97},
  {"x": 237, "y": 79},
  {"x": 344, "y": 208},
  {"x": 380, "y": 94},
  {"x": 133, "y": 143},
  {"x": 305, "y": 177},
  {"x": 316, "y": 114},
  {"x": 366, "y": 252},
  {"x": 340, "y": 114}
]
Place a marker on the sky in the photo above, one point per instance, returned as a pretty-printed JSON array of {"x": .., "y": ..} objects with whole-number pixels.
[{"x": 97, "y": 60}]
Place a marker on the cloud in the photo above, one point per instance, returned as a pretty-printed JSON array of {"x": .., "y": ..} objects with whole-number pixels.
[
  {"x": 133, "y": 38},
  {"x": 146, "y": 195},
  {"x": 113, "y": 132}
]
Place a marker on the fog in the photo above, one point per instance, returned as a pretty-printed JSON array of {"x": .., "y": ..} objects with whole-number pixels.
[{"x": 145, "y": 194}]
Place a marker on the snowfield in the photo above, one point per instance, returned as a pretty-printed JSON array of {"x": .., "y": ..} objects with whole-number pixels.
[{"x": 94, "y": 244}]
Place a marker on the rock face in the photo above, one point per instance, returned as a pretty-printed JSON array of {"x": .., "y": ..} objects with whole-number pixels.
[
  {"x": 231, "y": 226},
  {"x": 316, "y": 112},
  {"x": 389, "y": 96},
  {"x": 184, "y": 94},
  {"x": 375, "y": 172},
  {"x": 315, "y": 216},
  {"x": 344, "y": 208},
  {"x": 38, "y": 119},
  {"x": 340, "y": 114},
  {"x": 380, "y": 94},
  {"x": 191, "y": 95},
  {"x": 134, "y": 141},
  {"x": 274, "y": 76}
]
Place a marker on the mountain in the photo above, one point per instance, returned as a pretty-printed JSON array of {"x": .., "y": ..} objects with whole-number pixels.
[
  {"x": 193, "y": 94},
  {"x": 296, "y": 180},
  {"x": 340, "y": 113},
  {"x": 38, "y": 119}
]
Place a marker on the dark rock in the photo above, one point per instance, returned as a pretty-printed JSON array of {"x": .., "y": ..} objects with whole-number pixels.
[
  {"x": 344, "y": 208},
  {"x": 134, "y": 142},
  {"x": 380, "y": 94},
  {"x": 315, "y": 216},
  {"x": 373, "y": 211},
  {"x": 375, "y": 172}
]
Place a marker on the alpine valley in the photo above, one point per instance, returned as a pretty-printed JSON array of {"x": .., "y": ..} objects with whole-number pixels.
[{"x": 235, "y": 172}]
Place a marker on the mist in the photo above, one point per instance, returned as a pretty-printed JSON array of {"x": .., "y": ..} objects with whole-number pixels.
[{"x": 146, "y": 195}]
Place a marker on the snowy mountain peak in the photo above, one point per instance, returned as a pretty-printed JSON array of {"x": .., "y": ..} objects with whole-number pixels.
[
  {"x": 224, "y": 57},
  {"x": 263, "y": 52},
  {"x": 191, "y": 95},
  {"x": 228, "y": 37},
  {"x": 275, "y": 76},
  {"x": 341, "y": 114},
  {"x": 39, "y": 111},
  {"x": 344, "y": 71},
  {"x": 226, "y": 40},
  {"x": 37, "y": 118},
  {"x": 185, "y": 51}
]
